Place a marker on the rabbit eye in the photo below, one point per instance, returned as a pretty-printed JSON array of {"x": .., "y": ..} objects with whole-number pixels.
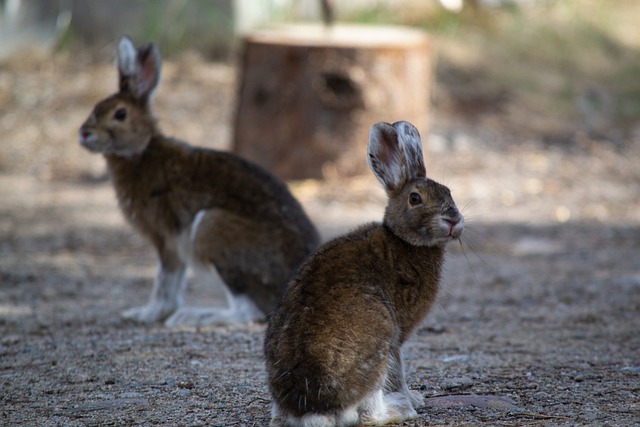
[
  {"x": 120, "y": 114},
  {"x": 415, "y": 199}
]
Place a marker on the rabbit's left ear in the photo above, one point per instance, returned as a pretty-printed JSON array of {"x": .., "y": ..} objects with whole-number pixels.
[
  {"x": 395, "y": 154},
  {"x": 139, "y": 70},
  {"x": 411, "y": 144}
]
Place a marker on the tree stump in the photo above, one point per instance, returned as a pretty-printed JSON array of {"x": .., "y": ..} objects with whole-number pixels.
[{"x": 308, "y": 95}]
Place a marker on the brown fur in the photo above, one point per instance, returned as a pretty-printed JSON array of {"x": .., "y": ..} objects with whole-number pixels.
[
  {"x": 161, "y": 190},
  {"x": 254, "y": 231},
  {"x": 337, "y": 335},
  {"x": 336, "y": 324}
]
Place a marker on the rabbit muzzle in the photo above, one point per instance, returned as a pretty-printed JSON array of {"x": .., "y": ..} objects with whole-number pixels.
[
  {"x": 457, "y": 228},
  {"x": 88, "y": 139},
  {"x": 453, "y": 227}
]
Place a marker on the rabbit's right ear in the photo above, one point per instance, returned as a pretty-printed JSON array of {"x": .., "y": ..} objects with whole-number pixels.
[
  {"x": 126, "y": 64},
  {"x": 395, "y": 154},
  {"x": 139, "y": 70}
]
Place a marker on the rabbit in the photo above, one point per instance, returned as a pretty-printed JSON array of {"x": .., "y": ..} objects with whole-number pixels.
[
  {"x": 333, "y": 346},
  {"x": 236, "y": 225}
]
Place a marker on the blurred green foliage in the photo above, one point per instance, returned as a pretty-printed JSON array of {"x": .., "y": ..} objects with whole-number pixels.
[
  {"x": 556, "y": 61},
  {"x": 568, "y": 60}
]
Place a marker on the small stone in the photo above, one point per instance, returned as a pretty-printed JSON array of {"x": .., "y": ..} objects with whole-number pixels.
[
  {"x": 472, "y": 402},
  {"x": 130, "y": 395},
  {"x": 183, "y": 392},
  {"x": 456, "y": 358},
  {"x": 11, "y": 340},
  {"x": 255, "y": 407},
  {"x": 589, "y": 416},
  {"x": 541, "y": 395},
  {"x": 457, "y": 382}
]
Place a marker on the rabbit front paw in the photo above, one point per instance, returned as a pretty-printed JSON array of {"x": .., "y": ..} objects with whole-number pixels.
[{"x": 152, "y": 312}]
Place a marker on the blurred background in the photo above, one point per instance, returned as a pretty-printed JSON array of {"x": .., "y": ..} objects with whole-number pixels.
[
  {"x": 561, "y": 72},
  {"x": 533, "y": 123}
]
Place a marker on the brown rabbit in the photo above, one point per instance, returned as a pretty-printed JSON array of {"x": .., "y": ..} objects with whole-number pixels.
[
  {"x": 333, "y": 346},
  {"x": 235, "y": 224}
]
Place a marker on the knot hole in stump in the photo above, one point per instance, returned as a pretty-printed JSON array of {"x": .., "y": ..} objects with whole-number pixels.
[{"x": 339, "y": 91}]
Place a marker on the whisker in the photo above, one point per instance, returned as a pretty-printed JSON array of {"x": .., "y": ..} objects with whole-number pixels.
[
  {"x": 469, "y": 241},
  {"x": 471, "y": 218},
  {"x": 472, "y": 236},
  {"x": 473, "y": 272},
  {"x": 468, "y": 204},
  {"x": 475, "y": 214}
]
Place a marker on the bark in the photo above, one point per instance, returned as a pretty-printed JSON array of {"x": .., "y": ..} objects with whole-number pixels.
[{"x": 309, "y": 94}]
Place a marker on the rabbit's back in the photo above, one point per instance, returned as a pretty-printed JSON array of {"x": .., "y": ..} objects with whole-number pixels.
[{"x": 171, "y": 181}]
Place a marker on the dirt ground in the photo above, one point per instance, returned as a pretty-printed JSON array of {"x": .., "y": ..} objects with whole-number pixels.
[{"x": 537, "y": 322}]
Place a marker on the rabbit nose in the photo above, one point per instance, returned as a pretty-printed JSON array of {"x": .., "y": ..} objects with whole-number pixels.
[
  {"x": 84, "y": 136},
  {"x": 455, "y": 227}
]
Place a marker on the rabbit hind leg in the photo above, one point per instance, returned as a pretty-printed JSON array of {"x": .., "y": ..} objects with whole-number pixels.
[
  {"x": 252, "y": 258},
  {"x": 396, "y": 379},
  {"x": 195, "y": 245},
  {"x": 380, "y": 409},
  {"x": 238, "y": 309}
]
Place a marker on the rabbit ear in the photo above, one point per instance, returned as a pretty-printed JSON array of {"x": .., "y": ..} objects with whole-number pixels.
[
  {"x": 148, "y": 71},
  {"x": 395, "y": 154},
  {"x": 412, "y": 147},
  {"x": 126, "y": 63},
  {"x": 139, "y": 70}
]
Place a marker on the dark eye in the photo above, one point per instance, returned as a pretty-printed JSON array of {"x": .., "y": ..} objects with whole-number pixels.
[
  {"x": 415, "y": 199},
  {"x": 120, "y": 114}
]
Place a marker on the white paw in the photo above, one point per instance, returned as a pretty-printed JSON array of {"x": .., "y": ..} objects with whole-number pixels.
[
  {"x": 417, "y": 399},
  {"x": 399, "y": 407},
  {"x": 195, "y": 317},
  {"x": 152, "y": 312},
  {"x": 186, "y": 316},
  {"x": 385, "y": 409}
]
